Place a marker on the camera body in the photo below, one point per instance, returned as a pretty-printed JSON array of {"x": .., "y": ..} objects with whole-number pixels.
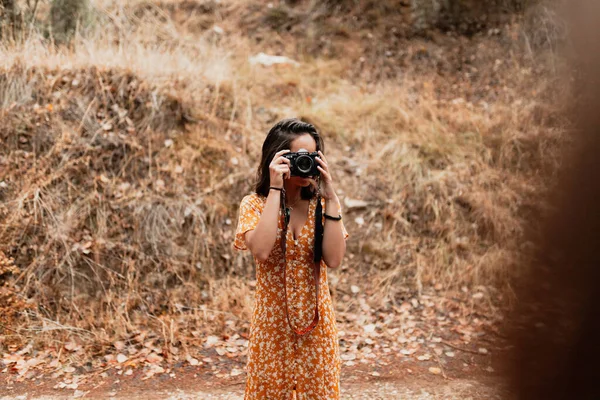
[{"x": 303, "y": 164}]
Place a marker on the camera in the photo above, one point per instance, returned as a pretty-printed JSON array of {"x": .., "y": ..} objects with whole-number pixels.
[{"x": 303, "y": 164}]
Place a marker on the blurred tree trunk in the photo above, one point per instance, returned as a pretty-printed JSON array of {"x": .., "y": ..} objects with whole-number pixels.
[
  {"x": 66, "y": 17},
  {"x": 10, "y": 19},
  {"x": 426, "y": 13}
]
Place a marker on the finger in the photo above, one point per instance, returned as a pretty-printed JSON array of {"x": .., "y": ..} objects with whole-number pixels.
[
  {"x": 285, "y": 170},
  {"x": 280, "y": 153},
  {"x": 325, "y": 174},
  {"x": 322, "y": 156},
  {"x": 280, "y": 161},
  {"x": 322, "y": 162},
  {"x": 283, "y": 160}
]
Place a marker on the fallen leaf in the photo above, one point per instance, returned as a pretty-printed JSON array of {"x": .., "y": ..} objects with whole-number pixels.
[
  {"x": 192, "y": 360},
  {"x": 221, "y": 351},
  {"x": 154, "y": 358},
  {"x": 72, "y": 346},
  {"x": 119, "y": 344}
]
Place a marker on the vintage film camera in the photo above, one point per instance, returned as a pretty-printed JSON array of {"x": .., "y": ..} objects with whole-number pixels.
[{"x": 303, "y": 164}]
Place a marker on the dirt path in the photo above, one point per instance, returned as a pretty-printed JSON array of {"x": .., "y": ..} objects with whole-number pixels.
[
  {"x": 466, "y": 375},
  {"x": 461, "y": 389},
  {"x": 373, "y": 390},
  {"x": 410, "y": 382}
]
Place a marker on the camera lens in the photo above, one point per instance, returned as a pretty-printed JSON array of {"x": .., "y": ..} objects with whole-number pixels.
[{"x": 304, "y": 164}]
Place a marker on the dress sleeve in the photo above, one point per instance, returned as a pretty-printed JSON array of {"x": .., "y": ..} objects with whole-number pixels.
[
  {"x": 249, "y": 214},
  {"x": 344, "y": 231}
]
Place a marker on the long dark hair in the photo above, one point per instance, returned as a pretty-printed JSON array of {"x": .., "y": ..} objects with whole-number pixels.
[{"x": 280, "y": 137}]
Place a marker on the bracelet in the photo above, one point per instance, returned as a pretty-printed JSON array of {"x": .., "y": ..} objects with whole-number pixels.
[
  {"x": 339, "y": 218},
  {"x": 275, "y": 188}
]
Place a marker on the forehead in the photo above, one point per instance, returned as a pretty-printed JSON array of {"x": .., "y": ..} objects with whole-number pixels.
[{"x": 304, "y": 142}]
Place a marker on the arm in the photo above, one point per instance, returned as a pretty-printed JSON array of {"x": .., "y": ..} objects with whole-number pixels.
[
  {"x": 260, "y": 241},
  {"x": 334, "y": 243}
]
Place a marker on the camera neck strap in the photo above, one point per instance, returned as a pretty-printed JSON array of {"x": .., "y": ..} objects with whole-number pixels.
[{"x": 318, "y": 254}]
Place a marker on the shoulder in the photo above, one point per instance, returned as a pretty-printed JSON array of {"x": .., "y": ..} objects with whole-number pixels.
[{"x": 253, "y": 200}]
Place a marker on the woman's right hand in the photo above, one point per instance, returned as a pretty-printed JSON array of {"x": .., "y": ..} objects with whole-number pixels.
[{"x": 279, "y": 169}]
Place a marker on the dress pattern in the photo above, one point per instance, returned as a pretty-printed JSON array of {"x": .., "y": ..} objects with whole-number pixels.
[{"x": 278, "y": 359}]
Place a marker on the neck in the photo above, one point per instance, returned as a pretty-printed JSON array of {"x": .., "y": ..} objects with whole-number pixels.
[{"x": 292, "y": 193}]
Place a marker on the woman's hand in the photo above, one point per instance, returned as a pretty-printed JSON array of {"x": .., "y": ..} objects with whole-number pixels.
[
  {"x": 328, "y": 191},
  {"x": 279, "y": 169}
]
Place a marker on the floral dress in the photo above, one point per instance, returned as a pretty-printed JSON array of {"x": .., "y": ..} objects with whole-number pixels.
[{"x": 278, "y": 359}]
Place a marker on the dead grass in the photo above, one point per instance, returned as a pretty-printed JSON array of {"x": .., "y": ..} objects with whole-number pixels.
[{"x": 125, "y": 156}]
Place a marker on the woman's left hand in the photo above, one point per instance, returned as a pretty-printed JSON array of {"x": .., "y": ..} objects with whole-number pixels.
[{"x": 328, "y": 191}]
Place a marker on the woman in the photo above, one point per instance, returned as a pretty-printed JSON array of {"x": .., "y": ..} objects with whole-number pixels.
[{"x": 288, "y": 353}]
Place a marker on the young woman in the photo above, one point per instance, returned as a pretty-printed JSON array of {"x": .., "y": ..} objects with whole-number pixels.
[{"x": 288, "y": 354}]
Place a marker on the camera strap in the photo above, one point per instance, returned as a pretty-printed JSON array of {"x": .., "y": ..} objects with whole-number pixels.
[{"x": 318, "y": 253}]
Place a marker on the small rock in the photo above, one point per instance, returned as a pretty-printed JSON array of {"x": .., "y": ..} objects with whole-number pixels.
[
  {"x": 354, "y": 204},
  {"x": 369, "y": 328}
]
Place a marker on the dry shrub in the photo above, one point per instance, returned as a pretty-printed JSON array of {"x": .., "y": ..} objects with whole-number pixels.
[
  {"x": 464, "y": 16},
  {"x": 12, "y": 304},
  {"x": 234, "y": 295},
  {"x": 104, "y": 208},
  {"x": 10, "y": 19},
  {"x": 452, "y": 185}
]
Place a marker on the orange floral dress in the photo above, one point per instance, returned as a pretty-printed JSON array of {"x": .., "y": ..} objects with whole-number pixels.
[{"x": 278, "y": 359}]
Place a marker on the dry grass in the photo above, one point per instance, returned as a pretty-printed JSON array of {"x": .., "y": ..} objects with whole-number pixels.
[{"x": 125, "y": 156}]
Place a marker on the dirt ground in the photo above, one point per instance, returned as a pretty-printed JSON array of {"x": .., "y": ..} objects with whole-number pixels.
[
  {"x": 376, "y": 389},
  {"x": 368, "y": 390},
  {"x": 467, "y": 376}
]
